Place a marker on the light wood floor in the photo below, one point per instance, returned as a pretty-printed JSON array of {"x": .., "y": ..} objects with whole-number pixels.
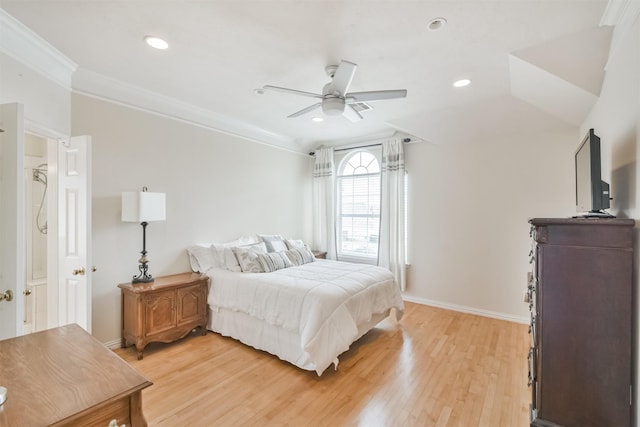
[{"x": 435, "y": 368}]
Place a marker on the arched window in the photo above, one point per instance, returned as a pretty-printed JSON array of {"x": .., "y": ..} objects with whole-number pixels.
[{"x": 358, "y": 206}]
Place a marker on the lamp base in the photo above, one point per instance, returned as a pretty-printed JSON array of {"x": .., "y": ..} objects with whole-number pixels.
[{"x": 143, "y": 277}]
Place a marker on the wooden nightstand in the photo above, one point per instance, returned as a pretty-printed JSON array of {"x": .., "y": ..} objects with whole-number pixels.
[
  {"x": 320, "y": 254},
  {"x": 164, "y": 310}
]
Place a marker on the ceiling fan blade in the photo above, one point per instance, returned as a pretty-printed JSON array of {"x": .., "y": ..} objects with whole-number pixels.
[
  {"x": 305, "y": 110},
  {"x": 352, "y": 114},
  {"x": 343, "y": 77},
  {"x": 292, "y": 91},
  {"x": 376, "y": 95}
]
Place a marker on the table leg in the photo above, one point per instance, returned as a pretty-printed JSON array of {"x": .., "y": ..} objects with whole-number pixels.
[{"x": 135, "y": 408}]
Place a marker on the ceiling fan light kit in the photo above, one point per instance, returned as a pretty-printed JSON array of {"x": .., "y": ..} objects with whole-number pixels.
[
  {"x": 336, "y": 96},
  {"x": 333, "y": 106}
]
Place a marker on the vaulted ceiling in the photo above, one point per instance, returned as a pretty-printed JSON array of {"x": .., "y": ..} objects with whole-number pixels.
[{"x": 532, "y": 63}]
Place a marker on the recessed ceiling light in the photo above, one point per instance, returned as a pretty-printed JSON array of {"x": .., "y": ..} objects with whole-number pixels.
[
  {"x": 156, "y": 42},
  {"x": 437, "y": 23},
  {"x": 461, "y": 83},
  {"x": 317, "y": 119}
]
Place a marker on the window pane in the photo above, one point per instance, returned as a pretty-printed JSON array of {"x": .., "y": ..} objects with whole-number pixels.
[
  {"x": 359, "y": 206},
  {"x": 361, "y": 163}
]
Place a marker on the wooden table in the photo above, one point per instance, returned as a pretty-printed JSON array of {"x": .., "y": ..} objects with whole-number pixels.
[{"x": 64, "y": 376}]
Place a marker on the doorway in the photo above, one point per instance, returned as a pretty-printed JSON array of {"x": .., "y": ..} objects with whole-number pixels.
[
  {"x": 37, "y": 220},
  {"x": 56, "y": 192}
]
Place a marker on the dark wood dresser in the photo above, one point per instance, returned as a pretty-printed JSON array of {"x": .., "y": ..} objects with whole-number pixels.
[{"x": 580, "y": 362}]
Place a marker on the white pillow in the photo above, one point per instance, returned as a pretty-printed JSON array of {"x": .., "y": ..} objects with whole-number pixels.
[
  {"x": 244, "y": 241},
  {"x": 293, "y": 244},
  {"x": 223, "y": 253},
  {"x": 248, "y": 257},
  {"x": 202, "y": 258},
  {"x": 274, "y": 242}
]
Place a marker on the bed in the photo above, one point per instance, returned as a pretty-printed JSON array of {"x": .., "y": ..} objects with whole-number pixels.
[{"x": 304, "y": 314}]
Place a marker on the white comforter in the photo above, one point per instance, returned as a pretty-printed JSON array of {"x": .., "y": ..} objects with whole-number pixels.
[{"x": 324, "y": 302}]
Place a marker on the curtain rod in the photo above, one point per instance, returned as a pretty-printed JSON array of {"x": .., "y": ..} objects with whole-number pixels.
[{"x": 405, "y": 140}]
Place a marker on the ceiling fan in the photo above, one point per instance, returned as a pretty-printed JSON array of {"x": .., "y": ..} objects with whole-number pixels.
[{"x": 336, "y": 98}]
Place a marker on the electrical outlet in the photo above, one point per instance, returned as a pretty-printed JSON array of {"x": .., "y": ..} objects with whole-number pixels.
[{"x": 526, "y": 297}]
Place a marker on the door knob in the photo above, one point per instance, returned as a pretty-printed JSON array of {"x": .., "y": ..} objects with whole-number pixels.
[
  {"x": 79, "y": 271},
  {"x": 93, "y": 268},
  {"x": 6, "y": 296},
  {"x": 27, "y": 292}
]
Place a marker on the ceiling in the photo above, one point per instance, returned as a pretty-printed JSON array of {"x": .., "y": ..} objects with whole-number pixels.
[{"x": 533, "y": 63}]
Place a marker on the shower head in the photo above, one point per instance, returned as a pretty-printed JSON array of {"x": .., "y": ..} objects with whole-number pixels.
[{"x": 40, "y": 173}]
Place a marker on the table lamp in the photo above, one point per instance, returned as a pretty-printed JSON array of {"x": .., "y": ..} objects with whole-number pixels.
[{"x": 143, "y": 207}]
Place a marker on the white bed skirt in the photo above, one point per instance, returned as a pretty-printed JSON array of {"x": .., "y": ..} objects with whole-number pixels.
[{"x": 273, "y": 339}]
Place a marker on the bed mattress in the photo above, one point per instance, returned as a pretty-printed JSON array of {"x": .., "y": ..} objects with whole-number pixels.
[{"x": 307, "y": 315}]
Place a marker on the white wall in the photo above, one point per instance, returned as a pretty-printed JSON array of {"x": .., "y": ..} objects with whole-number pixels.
[
  {"x": 616, "y": 120},
  {"x": 218, "y": 187},
  {"x": 47, "y": 105},
  {"x": 468, "y": 210}
]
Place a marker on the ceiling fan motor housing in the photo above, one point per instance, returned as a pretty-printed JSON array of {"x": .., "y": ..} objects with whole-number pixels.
[{"x": 333, "y": 106}]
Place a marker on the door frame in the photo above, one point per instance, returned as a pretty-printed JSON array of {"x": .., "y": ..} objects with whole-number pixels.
[{"x": 13, "y": 218}]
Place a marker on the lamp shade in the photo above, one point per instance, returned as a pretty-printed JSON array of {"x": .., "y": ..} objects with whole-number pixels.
[{"x": 143, "y": 206}]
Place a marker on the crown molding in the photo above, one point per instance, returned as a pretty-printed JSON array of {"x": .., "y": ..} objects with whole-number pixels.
[
  {"x": 623, "y": 15},
  {"x": 22, "y": 44},
  {"x": 41, "y": 130},
  {"x": 97, "y": 85},
  {"x": 620, "y": 13}
]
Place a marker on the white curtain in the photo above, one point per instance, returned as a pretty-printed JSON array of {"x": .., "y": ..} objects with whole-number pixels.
[
  {"x": 324, "y": 236},
  {"x": 391, "y": 252}
]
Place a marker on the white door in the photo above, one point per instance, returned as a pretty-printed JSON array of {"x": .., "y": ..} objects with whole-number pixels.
[
  {"x": 74, "y": 231},
  {"x": 12, "y": 273}
]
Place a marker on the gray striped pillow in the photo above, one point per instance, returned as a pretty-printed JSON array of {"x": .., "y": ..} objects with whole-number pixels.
[
  {"x": 299, "y": 256},
  {"x": 272, "y": 261}
]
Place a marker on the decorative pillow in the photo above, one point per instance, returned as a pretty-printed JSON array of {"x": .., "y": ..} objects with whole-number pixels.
[
  {"x": 223, "y": 253},
  {"x": 299, "y": 256},
  {"x": 293, "y": 244},
  {"x": 273, "y": 261},
  {"x": 248, "y": 257},
  {"x": 201, "y": 258},
  {"x": 275, "y": 242},
  {"x": 225, "y": 257}
]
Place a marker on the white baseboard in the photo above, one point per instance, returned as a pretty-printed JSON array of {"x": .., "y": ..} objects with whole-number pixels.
[
  {"x": 470, "y": 310},
  {"x": 112, "y": 345}
]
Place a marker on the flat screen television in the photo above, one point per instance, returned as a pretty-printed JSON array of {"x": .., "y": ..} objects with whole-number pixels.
[{"x": 592, "y": 193}]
